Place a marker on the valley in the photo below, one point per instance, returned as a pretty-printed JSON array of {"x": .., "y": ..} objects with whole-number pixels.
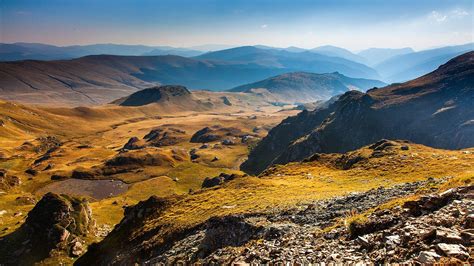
[
  {"x": 45, "y": 147},
  {"x": 247, "y": 155}
]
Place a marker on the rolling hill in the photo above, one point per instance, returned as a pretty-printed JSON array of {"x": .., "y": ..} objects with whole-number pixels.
[
  {"x": 101, "y": 79},
  {"x": 306, "y": 87},
  {"x": 436, "y": 110}
]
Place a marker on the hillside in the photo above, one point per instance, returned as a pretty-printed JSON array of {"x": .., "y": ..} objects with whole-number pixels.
[
  {"x": 436, "y": 110},
  {"x": 101, "y": 79},
  {"x": 297, "y": 212},
  {"x": 174, "y": 97},
  {"x": 411, "y": 65},
  {"x": 292, "y": 61},
  {"x": 305, "y": 87}
]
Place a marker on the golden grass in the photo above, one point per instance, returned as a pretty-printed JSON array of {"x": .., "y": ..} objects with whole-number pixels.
[{"x": 290, "y": 185}]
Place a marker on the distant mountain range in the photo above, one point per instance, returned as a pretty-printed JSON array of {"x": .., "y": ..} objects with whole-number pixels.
[
  {"x": 100, "y": 79},
  {"x": 408, "y": 66},
  {"x": 103, "y": 78},
  {"x": 303, "y": 87},
  {"x": 291, "y": 61},
  {"x": 38, "y": 51},
  {"x": 374, "y": 56},
  {"x": 436, "y": 110}
]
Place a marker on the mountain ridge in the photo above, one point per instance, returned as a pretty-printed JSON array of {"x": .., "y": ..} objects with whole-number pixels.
[
  {"x": 303, "y": 87},
  {"x": 435, "y": 109}
]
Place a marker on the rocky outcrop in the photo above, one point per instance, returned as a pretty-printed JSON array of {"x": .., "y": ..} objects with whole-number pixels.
[
  {"x": 158, "y": 137},
  {"x": 387, "y": 236},
  {"x": 8, "y": 181},
  {"x": 132, "y": 245},
  {"x": 218, "y": 180},
  {"x": 215, "y": 133},
  {"x": 57, "y": 223},
  {"x": 435, "y": 110},
  {"x": 129, "y": 161}
]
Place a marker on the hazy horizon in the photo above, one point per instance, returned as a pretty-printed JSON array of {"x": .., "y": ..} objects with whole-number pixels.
[{"x": 354, "y": 25}]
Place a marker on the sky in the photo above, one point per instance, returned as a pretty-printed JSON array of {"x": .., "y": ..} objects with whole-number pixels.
[{"x": 352, "y": 24}]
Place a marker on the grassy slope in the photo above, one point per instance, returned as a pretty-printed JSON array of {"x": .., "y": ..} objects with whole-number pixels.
[{"x": 296, "y": 183}]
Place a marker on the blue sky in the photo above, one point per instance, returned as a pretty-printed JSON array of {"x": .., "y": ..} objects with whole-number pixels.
[{"x": 351, "y": 24}]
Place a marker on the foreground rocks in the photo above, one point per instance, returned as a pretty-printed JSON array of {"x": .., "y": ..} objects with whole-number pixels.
[
  {"x": 57, "y": 224},
  {"x": 441, "y": 232}
]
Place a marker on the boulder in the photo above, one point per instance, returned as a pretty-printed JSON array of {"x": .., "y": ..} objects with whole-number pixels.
[{"x": 50, "y": 225}]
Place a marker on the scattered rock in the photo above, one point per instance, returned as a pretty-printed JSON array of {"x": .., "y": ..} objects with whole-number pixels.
[
  {"x": 60, "y": 177},
  {"x": 428, "y": 257},
  {"x": 218, "y": 180},
  {"x": 77, "y": 249},
  {"x": 226, "y": 101},
  {"x": 8, "y": 181},
  {"x": 227, "y": 142},
  {"x": 453, "y": 250},
  {"x": 25, "y": 200},
  {"x": 32, "y": 172}
]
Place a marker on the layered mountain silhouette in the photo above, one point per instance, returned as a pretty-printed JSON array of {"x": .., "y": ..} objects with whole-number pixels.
[
  {"x": 408, "y": 66},
  {"x": 436, "y": 110},
  {"x": 102, "y": 79},
  {"x": 292, "y": 61},
  {"x": 306, "y": 87},
  {"x": 38, "y": 51},
  {"x": 374, "y": 56},
  {"x": 335, "y": 51}
]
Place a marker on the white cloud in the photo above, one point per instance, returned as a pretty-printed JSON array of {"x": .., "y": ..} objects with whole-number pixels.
[
  {"x": 264, "y": 26},
  {"x": 438, "y": 17},
  {"x": 443, "y": 17},
  {"x": 459, "y": 13}
]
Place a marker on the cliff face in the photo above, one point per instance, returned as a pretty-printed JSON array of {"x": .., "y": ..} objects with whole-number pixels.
[{"x": 436, "y": 110}]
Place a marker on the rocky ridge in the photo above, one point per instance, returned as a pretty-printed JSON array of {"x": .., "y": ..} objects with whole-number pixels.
[
  {"x": 435, "y": 110},
  {"x": 437, "y": 227}
]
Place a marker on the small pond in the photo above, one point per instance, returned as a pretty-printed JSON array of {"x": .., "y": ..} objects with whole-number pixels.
[{"x": 96, "y": 189}]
